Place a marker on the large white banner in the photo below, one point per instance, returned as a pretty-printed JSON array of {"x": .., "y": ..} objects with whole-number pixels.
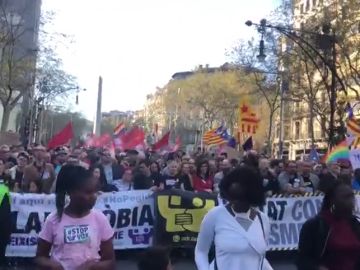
[
  {"x": 288, "y": 214},
  {"x": 130, "y": 213}
]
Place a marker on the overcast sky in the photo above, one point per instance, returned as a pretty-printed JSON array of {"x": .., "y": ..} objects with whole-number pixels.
[{"x": 137, "y": 45}]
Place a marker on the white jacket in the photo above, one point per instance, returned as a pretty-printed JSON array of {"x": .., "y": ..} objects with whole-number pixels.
[{"x": 235, "y": 247}]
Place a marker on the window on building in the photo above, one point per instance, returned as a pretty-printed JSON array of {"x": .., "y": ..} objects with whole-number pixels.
[
  {"x": 302, "y": 9},
  {"x": 297, "y": 130},
  {"x": 307, "y": 5},
  {"x": 323, "y": 124},
  {"x": 286, "y": 132},
  {"x": 314, "y": 2},
  {"x": 310, "y": 127},
  {"x": 317, "y": 130}
]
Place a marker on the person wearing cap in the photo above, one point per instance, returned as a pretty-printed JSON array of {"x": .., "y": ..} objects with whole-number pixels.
[
  {"x": 5, "y": 217},
  {"x": 16, "y": 173},
  {"x": 61, "y": 156},
  {"x": 39, "y": 171}
]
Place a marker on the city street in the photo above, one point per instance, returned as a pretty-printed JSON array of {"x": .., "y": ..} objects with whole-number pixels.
[
  {"x": 127, "y": 260},
  {"x": 188, "y": 265},
  {"x": 184, "y": 264}
]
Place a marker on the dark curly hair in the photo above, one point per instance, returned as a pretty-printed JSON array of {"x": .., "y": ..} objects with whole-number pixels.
[
  {"x": 250, "y": 180},
  {"x": 70, "y": 178},
  {"x": 330, "y": 194}
]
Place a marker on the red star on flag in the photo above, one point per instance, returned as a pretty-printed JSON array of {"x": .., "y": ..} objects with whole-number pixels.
[{"x": 244, "y": 109}]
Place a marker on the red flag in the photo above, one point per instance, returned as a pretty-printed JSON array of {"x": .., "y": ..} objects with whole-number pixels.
[
  {"x": 132, "y": 139},
  {"x": 177, "y": 145},
  {"x": 63, "y": 137},
  {"x": 163, "y": 142}
]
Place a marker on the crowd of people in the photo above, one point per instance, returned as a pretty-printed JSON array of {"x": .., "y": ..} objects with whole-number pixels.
[
  {"x": 36, "y": 170},
  {"x": 76, "y": 236}
]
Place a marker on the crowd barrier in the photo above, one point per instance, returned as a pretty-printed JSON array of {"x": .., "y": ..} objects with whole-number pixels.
[{"x": 141, "y": 218}]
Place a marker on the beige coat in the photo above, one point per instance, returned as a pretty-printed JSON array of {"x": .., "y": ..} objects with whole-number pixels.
[{"x": 46, "y": 176}]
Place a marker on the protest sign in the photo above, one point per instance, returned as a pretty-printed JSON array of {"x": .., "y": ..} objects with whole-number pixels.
[
  {"x": 178, "y": 216},
  {"x": 171, "y": 217},
  {"x": 130, "y": 213}
]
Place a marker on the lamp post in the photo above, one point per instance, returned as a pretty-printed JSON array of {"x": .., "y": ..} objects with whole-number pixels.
[{"x": 326, "y": 42}]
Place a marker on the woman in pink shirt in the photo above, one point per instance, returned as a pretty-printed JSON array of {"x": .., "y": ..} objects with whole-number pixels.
[
  {"x": 203, "y": 181},
  {"x": 76, "y": 237}
]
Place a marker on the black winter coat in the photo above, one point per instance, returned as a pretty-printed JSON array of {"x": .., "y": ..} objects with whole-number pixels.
[{"x": 313, "y": 240}]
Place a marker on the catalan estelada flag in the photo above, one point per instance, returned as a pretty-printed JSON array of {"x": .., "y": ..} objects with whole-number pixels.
[
  {"x": 214, "y": 137},
  {"x": 352, "y": 127},
  {"x": 248, "y": 121},
  {"x": 355, "y": 143}
]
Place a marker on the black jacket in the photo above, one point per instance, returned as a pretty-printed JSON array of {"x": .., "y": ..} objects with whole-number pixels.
[
  {"x": 117, "y": 172},
  {"x": 313, "y": 240}
]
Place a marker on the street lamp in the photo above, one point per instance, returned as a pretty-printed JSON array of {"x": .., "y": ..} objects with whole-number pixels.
[
  {"x": 261, "y": 57},
  {"x": 325, "y": 42}
]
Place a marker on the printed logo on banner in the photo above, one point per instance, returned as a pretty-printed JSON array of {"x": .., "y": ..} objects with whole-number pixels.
[
  {"x": 139, "y": 238},
  {"x": 179, "y": 218},
  {"x": 76, "y": 234}
]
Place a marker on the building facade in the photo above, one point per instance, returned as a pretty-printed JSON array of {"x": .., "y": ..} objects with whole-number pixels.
[{"x": 303, "y": 127}]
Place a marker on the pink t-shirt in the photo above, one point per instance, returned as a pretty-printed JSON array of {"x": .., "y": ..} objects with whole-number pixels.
[{"x": 76, "y": 240}]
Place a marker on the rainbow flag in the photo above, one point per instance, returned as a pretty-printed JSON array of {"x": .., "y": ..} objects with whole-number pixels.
[{"x": 340, "y": 151}]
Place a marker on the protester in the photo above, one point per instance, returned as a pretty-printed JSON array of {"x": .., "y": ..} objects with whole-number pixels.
[
  {"x": 16, "y": 173},
  {"x": 61, "y": 157},
  {"x": 317, "y": 170},
  {"x": 76, "y": 236},
  {"x": 192, "y": 166},
  {"x": 310, "y": 180},
  {"x": 125, "y": 183},
  {"x": 356, "y": 180},
  {"x": 345, "y": 175},
  {"x": 155, "y": 258},
  {"x": 289, "y": 180},
  {"x": 225, "y": 168},
  {"x": 203, "y": 181},
  {"x": 142, "y": 177},
  {"x": 155, "y": 173},
  {"x": 39, "y": 171},
  {"x": 4, "y": 152},
  {"x": 5, "y": 220},
  {"x": 331, "y": 240},
  {"x": 238, "y": 230},
  {"x": 96, "y": 173},
  {"x": 270, "y": 182},
  {"x": 112, "y": 171},
  {"x": 170, "y": 180},
  {"x": 81, "y": 156},
  {"x": 185, "y": 178},
  {"x": 329, "y": 177},
  {"x": 213, "y": 167},
  {"x": 276, "y": 167}
]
